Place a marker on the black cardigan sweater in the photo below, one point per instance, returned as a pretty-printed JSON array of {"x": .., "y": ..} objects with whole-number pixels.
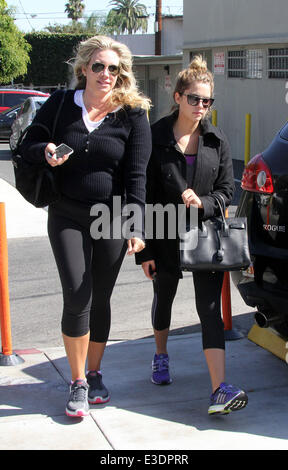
[
  {"x": 166, "y": 181},
  {"x": 110, "y": 161}
]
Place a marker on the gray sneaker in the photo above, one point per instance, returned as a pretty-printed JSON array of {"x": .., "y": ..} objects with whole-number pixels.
[
  {"x": 77, "y": 404},
  {"x": 98, "y": 393}
]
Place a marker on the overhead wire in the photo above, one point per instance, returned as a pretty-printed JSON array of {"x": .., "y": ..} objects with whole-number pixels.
[
  {"x": 26, "y": 17},
  {"x": 37, "y": 15}
]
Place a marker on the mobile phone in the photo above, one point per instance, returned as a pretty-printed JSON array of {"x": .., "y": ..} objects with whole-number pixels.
[
  {"x": 152, "y": 273},
  {"x": 61, "y": 150}
]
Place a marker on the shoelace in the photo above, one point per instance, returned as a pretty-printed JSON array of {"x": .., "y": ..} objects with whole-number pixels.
[
  {"x": 228, "y": 388},
  {"x": 78, "y": 392},
  {"x": 223, "y": 392},
  {"x": 161, "y": 364}
]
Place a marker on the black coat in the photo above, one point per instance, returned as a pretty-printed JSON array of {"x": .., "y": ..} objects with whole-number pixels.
[{"x": 166, "y": 181}]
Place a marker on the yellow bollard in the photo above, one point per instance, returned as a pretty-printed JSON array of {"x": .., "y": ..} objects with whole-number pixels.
[
  {"x": 214, "y": 117},
  {"x": 247, "y": 138}
]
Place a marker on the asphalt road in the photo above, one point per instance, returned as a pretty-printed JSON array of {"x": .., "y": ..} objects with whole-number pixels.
[{"x": 36, "y": 299}]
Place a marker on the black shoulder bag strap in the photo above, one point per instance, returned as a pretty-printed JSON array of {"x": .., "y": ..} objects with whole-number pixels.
[
  {"x": 39, "y": 124},
  {"x": 57, "y": 114}
]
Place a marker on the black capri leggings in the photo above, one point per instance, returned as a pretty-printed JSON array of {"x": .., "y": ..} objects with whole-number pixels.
[
  {"x": 88, "y": 270},
  {"x": 208, "y": 288}
]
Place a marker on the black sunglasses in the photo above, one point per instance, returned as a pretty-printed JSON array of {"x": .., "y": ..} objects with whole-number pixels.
[
  {"x": 194, "y": 100},
  {"x": 98, "y": 67}
]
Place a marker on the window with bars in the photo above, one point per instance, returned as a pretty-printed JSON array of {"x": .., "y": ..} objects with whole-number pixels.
[
  {"x": 236, "y": 64},
  {"x": 278, "y": 63},
  {"x": 245, "y": 63}
]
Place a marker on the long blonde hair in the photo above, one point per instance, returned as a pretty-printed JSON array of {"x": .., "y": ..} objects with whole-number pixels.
[
  {"x": 196, "y": 71},
  {"x": 125, "y": 91}
]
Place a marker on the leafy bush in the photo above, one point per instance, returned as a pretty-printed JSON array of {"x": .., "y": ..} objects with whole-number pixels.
[
  {"x": 48, "y": 58},
  {"x": 14, "y": 50}
]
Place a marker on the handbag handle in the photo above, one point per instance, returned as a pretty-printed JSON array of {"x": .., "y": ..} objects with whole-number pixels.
[
  {"x": 225, "y": 229},
  {"x": 221, "y": 203}
]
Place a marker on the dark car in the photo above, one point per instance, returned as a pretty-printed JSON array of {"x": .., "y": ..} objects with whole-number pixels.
[
  {"x": 24, "y": 118},
  {"x": 6, "y": 120},
  {"x": 264, "y": 201},
  {"x": 10, "y": 97}
]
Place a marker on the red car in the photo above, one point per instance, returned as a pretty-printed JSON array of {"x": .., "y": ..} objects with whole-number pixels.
[{"x": 12, "y": 96}]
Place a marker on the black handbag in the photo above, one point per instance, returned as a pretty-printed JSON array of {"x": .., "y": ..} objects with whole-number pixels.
[
  {"x": 36, "y": 182},
  {"x": 216, "y": 244}
]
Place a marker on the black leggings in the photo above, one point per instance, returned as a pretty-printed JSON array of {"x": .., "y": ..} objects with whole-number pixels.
[
  {"x": 208, "y": 288},
  {"x": 88, "y": 270}
]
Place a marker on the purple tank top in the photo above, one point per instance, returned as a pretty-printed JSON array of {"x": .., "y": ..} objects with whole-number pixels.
[
  {"x": 190, "y": 168},
  {"x": 190, "y": 159}
]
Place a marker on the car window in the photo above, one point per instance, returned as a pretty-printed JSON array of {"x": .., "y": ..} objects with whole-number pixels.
[
  {"x": 284, "y": 132},
  {"x": 11, "y": 99}
]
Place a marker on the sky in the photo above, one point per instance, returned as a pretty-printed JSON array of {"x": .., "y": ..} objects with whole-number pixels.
[{"x": 37, "y": 14}]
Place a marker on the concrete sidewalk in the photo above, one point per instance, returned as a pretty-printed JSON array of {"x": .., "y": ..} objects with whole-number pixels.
[
  {"x": 22, "y": 219},
  {"x": 140, "y": 415}
]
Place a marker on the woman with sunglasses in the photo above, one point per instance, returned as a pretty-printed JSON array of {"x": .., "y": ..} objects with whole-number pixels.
[
  {"x": 190, "y": 163},
  {"x": 104, "y": 120}
]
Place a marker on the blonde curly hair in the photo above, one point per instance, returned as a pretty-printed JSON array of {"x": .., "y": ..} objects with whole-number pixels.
[
  {"x": 196, "y": 71},
  {"x": 125, "y": 91}
]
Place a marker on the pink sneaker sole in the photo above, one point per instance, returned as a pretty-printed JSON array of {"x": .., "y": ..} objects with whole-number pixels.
[
  {"x": 98, "y": 400},
  {"x": 77, "y": 414}
]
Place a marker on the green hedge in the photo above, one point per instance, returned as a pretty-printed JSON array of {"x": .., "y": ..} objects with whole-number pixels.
[{"x": 49, "y": 55}]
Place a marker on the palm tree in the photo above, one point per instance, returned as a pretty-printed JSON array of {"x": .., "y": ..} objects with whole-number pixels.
[
  {"x": 128, "y": 15},
  {"x": 93, "y": 24},
  {"x": 75, "y": 9}
]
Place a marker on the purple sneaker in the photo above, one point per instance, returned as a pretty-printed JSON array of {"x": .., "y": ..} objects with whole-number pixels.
[
  {"x": 227, "y": 398},
  {"x": 160, "y": 368}
]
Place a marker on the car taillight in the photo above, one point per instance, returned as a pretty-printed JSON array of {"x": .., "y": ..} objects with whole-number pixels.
[{"x": 257, "y": 176}]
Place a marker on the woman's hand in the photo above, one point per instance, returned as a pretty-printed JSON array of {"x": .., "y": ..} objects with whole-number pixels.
[
  {"x": 149, "y": 268},
  {"x": 52, "y": 160},
  {"x": 191, "y": 199},
  {"x": 135, "y": 245}
]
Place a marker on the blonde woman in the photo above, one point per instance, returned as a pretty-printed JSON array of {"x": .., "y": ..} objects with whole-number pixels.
[
  {"x": 104, "y": 121},
  {"x": 190, "y": 163}
]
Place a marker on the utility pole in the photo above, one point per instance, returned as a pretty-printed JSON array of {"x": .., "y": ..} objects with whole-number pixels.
[{"x": 158, "y": 27}]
